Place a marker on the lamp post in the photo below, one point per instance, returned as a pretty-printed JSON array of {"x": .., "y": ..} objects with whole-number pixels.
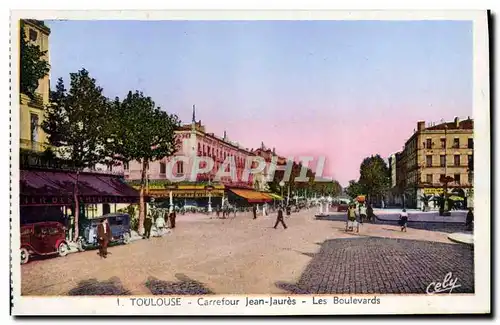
[
  {"x": 209, "y": 188},
  {"x": 445, "y": 189}
]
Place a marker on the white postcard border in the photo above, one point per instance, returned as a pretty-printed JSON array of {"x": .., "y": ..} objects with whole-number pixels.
[{"x": 389, "y": 304}]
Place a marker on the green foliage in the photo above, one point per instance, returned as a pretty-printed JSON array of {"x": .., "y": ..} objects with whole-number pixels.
[
  {"x": 374, "y": 176},
  {"x": 441, "y": 199},
  {"x": 142, "y": 131},
  {"x": 76, "y": 121},
  {"x": 354, "y": 189},
  {"x": 33, "y": 66},
  {"x": 426, "y": 199}
]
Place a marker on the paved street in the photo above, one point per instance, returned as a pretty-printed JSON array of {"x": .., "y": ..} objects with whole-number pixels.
[{"x": 248, "y": 256}]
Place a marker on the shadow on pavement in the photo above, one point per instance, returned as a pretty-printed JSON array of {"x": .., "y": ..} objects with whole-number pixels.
[
  {"x": 93, "y": 287},
  {"x": 185, "y": 286},
  {"x": 374, "y": 265}
]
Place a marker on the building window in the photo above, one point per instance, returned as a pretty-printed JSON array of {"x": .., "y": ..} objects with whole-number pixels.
[
  {"x": 456, "y": 160},
  {"x": 470, "y": 143},
  {"x": 443, "y": 143},
  {"x": 442, "y": 160},
  {"x": 429, "y": 178},
  {"x": 457, "y": 178},
  {"x": 428, "y": 161},
  {"x": 180, "y": 167},
  {"x": 125, "y": 165},
  {"x": 34, "y": 127},
  {"x": 33, "y": 35},
  {"x": 428, "y": 143},
  {"x": 456, "y": 143},
  {"x": 441, "y": 177},
  {"x": 163, "y": 168},
  {"x": 199, "y": 149},
  {"x": 109, "y": 168}
]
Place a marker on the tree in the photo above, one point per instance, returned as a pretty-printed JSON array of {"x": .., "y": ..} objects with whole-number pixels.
[
  {"x": 374, "y": 176},
  {"x": 33, "y": 65},
  {"x": 76, "y": 122},
  {"x": 143, "y": 133},
  {"x": 354, "y": 189}
]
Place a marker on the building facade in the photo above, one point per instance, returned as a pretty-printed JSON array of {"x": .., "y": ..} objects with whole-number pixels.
[
  {"x": 31, "y": 113},
  {"x": 194, "y": 141},
  {"x": 433, "y": 152}
]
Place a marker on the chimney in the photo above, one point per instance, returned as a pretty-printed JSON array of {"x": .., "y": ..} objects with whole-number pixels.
[
  {"x": 457, "y": 122},
  {"x": 420, "y": 125}
]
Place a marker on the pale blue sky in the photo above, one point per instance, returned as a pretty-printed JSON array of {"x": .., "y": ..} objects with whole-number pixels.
[{"x": 316, "y": 87}]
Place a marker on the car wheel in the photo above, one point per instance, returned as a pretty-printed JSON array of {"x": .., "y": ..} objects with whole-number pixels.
[
  {"x": 79, "y": 245},
  {"x": 126, "y": 238},
  {"x": 25, "y": 255},
  {"x": 63, "y": 249}
]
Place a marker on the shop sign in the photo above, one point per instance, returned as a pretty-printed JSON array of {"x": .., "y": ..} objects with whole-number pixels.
[{"x": 433, "y": 191}]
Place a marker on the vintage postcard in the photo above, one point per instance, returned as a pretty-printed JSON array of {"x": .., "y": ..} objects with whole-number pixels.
[{"x": 250, "y": 162}]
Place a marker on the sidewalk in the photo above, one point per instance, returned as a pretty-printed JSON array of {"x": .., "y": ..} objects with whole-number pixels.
[
  {"x": 414, "y": 216},
  {"x": 462, "y": 237}
]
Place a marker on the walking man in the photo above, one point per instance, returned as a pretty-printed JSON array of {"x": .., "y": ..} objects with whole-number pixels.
[
  {"x": 280, "y": 219},
  {"x": 148, "y": 224},
  {"x": 254, "y": 211},
  {"x": 172, "y": 217},
  {"x": 104, "y": 233}
]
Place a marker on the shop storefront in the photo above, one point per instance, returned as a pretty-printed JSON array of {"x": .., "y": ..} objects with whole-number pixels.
[{"x": 49, "y": 195}]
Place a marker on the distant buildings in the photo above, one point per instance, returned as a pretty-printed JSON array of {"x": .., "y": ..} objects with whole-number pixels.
[
  {"x": 433, "y": 152},
  {"x": 31, "y": 115}
]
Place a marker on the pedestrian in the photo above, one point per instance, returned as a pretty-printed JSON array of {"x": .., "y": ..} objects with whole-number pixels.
[
  {"x": 403, "y": 220},
  {"x": 105, "y": 236},
  {"x": 288, "y": 210},
  {"x": 172, "y": 217},
  {"x": 469, "y": 220},
  {"x": 370, "y": 214},
  {"x": 217, "y": 211},
  {"x": 279, "y": 218},
  {"x": 148, "y": 224},
  {"x": 351, "y": 218},
  {"x": 160, "y": 225},
  {"x": 362, "y": 213},
  {"x": 254, "y": 211}
]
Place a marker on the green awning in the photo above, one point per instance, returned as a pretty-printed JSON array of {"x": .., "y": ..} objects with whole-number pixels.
[{"x": 275, "y": 196}]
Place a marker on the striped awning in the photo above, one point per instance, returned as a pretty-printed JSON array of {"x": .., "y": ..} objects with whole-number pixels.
[{"x": 252, "y": 196}]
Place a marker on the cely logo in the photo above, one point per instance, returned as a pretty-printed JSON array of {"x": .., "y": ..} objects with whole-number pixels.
[{"x": 447, "y": 285}]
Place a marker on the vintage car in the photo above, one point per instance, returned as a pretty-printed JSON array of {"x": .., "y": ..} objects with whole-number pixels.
[
  {"x": 43, "y": 238},
  {"x": 120, "y": 230}
]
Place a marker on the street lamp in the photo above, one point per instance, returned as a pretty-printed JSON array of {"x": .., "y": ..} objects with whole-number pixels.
[{"x": 281, "y": 185}]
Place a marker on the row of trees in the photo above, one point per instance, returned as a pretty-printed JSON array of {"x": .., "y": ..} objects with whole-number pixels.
[
  {"x": 87, "y": 128},
  {"x": 323, "y": 187}
]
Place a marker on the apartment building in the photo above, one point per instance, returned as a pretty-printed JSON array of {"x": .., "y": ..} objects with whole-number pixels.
[{"x": 433, "y": 152}]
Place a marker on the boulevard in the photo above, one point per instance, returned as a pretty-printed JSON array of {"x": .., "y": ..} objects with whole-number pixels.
[{"x": 245, "y": 256}]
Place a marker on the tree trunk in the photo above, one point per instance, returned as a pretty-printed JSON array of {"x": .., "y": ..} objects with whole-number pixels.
[
  {"x": 142, "y": 205},
  {"x": 77, "y": 208}
]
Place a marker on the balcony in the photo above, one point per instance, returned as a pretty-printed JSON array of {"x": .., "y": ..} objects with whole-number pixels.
[
  {"x": 35, "y": 102},
  {"x": 32, "y": 145}
]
